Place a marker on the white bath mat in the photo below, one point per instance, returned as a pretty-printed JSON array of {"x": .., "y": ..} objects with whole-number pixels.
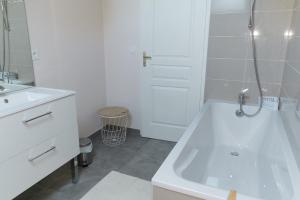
[{"x": 117, "y": 186}]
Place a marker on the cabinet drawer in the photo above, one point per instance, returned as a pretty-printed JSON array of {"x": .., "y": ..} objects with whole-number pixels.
[
  {"x": 24, "y": 170},
  {"x": 34, "y": 126}
]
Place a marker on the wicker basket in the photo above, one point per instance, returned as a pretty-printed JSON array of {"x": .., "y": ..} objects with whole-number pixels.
[{"x": 114, "y": 121}]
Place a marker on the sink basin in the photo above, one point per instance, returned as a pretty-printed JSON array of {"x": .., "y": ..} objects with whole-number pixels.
[
  {"x": 12, "y": 88},
  {"x": 20, "y": 98},
  {"x": 27, "y": 98},
  {"x": 18, "y": 82}
]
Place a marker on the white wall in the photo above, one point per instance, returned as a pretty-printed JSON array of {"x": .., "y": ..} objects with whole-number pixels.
[
  {"x": 121, "y": 40},
  {"x": 68, "y": 36}
]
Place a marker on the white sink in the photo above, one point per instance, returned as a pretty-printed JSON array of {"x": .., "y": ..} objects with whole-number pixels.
[
  {"x": 12, "y": 88},
  {"x": 20, "y": 98},
  {"x": 27, "y": 98},
  {"x": 18, "y": 82}
]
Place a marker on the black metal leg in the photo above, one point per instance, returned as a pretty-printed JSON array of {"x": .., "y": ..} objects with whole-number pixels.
[{"x": 74, "y": 170}]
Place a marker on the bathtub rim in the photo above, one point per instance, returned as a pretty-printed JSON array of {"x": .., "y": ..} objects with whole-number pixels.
[{"x": 167, "y": 178}]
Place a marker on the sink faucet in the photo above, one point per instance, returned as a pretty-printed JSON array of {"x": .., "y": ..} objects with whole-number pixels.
[{"x": 242, "y": 101}]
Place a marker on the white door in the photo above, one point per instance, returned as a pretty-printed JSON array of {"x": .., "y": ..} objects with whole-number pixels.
[{"x": 175, "y": 35}]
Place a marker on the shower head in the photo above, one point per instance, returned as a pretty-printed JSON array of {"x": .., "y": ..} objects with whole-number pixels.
[{"x": 251, "y": 24}]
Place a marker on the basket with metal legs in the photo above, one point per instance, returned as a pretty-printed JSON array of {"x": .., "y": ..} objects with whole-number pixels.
[{"x": 114, "y": 121}]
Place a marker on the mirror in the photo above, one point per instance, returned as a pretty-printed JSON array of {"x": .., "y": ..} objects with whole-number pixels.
[{"x": 16, "y": 66}]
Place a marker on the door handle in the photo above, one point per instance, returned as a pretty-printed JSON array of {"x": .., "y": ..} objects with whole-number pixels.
[{"x": 145, "y": 58}]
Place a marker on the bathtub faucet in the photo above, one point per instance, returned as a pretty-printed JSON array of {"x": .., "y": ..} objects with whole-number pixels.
[{"x": 242, "y": 101}]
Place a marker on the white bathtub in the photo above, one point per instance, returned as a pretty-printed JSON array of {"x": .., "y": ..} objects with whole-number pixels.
[{"x": 220, "y": 152}]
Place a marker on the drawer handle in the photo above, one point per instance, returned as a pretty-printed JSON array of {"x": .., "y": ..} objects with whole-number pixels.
[
  {"x": 40, "y": 155},
  {"x": 35, "y": 118}
]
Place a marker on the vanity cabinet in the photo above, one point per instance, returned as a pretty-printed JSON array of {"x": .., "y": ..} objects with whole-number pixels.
[{"x": 35, "y": 142}]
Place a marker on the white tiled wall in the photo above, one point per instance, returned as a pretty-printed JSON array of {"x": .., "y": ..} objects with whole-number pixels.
[
  {"x": 20, "y": 56},
  {"x": 291, "y": 77},
  {"x": 290, "y": 91},
  {"x": 230, "y": 64}
]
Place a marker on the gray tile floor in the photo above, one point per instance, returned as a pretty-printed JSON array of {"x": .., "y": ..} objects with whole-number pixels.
[{"x": 139, "y": 157}]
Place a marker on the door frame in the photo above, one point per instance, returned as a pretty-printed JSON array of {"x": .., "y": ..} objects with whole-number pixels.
[{"x": 202, "y": 54}]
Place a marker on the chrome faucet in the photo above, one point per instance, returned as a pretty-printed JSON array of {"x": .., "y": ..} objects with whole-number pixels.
[{"x": 242, "y": 101}]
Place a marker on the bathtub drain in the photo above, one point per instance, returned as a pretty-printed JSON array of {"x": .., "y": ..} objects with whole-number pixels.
[{"x": 236, "y": 154}]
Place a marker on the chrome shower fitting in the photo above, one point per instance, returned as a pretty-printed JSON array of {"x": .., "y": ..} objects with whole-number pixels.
[
  {"x": 242, "y": 101},
  {"x": 242, "y": 95}
]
